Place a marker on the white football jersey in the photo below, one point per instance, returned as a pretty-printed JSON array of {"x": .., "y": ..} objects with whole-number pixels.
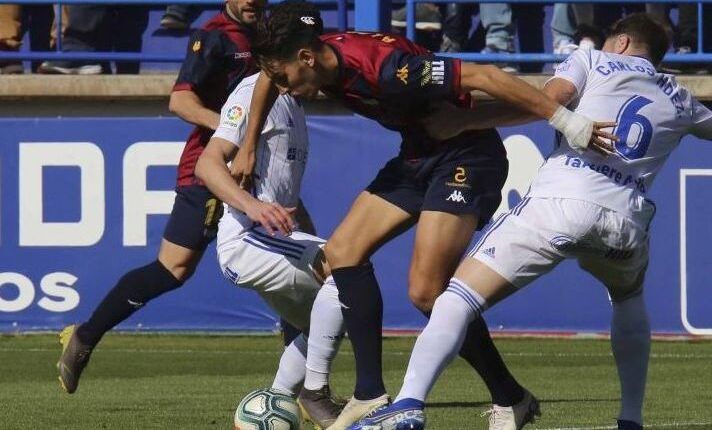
[
  {"x": 652, "y": 111},
  {"x": 280, "y": 159}
]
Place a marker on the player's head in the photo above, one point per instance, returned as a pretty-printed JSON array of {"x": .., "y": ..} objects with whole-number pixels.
[
  {"x": 247, "y": 12},
  {"x": 287, "y": 48},
  {"x": 638, "y": 34}
]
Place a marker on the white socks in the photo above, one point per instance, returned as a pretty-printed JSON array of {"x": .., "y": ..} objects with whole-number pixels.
[
  {"x": 292, "y": 367},
  {"x": 325, "y": 334},
  {"x": 630, "y": 341},
  {"x": 442, "y": 338}
]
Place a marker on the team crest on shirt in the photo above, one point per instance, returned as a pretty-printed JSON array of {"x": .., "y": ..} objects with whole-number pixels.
[
  {"x": 402, "y": 74},
  {"x": 197, "y": 45}
]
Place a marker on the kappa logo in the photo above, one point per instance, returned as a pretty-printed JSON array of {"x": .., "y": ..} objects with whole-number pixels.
[
  {"x": 196, "y": 46},
  {"x": 308, "y": 20},
  {"x": 457, "y": 197},
  {"x": 402, "y": 74}
]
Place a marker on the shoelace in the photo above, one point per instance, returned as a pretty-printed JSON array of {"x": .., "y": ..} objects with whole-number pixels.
[
  {"x": 494, "y": 414},
  {"x": 375, "y": 411}
]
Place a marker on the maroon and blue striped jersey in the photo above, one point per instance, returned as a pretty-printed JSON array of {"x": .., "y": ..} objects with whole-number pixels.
[
  {"x": 217, "y": 59},
  {"x": 394, "y": 81}
]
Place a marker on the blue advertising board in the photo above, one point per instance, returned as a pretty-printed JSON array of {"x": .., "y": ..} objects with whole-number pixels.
[{"x": 83, "y": 200}]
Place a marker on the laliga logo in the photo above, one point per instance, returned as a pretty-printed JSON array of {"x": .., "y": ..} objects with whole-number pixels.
[{"x": 308, "y": 20}]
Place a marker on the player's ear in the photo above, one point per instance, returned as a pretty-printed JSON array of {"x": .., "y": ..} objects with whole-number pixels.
[
  {"x": 306, "y": 56},
  {"x": 622, "y": 43}
]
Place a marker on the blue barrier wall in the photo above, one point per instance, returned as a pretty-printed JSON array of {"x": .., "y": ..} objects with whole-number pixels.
[{"x": 84, "y": 200}]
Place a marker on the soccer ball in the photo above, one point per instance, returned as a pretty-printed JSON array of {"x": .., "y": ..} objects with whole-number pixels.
[{"x": 267, "y": 410}]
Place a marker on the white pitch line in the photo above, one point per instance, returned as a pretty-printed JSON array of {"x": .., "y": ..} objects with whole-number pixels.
[
  {"x": 394, "y": 353},
  {"x": 707, "y": 425}
]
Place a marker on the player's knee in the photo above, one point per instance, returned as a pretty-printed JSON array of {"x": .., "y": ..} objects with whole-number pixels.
[
  {"x": 422, "y": 298},
  {"x": 424, "y": 288},
  {"x": 181, "y": 271},
  {"x": 339, "y": 254}
]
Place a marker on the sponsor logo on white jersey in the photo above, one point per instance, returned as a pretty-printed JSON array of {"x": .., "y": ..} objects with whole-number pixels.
[{"x": 456, "y": 196}]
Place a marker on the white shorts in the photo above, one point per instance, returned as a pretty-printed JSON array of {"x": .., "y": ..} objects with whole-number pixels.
[
  {"x": 537, "y": 234},
  {"x": 279, "y": 268}
]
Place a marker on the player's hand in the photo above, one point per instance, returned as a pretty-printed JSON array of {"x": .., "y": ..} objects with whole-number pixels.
[
  {"x": 602, "y": 141},
  {"x": 242, "y": 167},
  {"x": 272, "y": 216}
]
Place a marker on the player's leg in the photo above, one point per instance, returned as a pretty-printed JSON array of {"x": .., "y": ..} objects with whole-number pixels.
[
  {"x": 371, "y": 222},
  {"x": 290, "y": 373},
  {"x": 621, "y": 267},
  {"x": 438, "y": 344},
  {"x": 191, "y": 227},
  {"x": 440, "y": 242},
  {"x": 630, "y": 342},
  {"x": 326, "y": 331},
  {"x": 512, "y": 253},
  {"x": 287, "y": 273},
  {"x": 289, "y": 332}
]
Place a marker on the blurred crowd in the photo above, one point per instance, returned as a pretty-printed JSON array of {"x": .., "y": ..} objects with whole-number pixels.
[
  {"x": 452, "y": 27},
  {"x": 500, "y": 28}
]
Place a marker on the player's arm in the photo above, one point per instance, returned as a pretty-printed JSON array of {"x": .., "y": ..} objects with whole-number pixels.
[
  {"x": 263, "y": 98},
  {"x": 304, "y": 219},
  {"x": 578, "y": 130},
  {"x": 212, "y": 170},
  {"x": 447, "y": 120},
  {"x": 201, "y": 59},
  {"x": 425, "y": 78},
  {"x": 187, "y": 105}
]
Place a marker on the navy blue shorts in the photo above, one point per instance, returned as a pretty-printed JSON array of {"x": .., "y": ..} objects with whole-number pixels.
[
  {"x": 465, "y": 177},
  {"x": 194, "y": 220}
]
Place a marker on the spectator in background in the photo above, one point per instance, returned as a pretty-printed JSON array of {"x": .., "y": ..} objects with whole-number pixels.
[
  {"x": 100, "y": 28},
  {"x": 565, "y": 20},
  {"x": 683, "y": 35},
  {"x": 498, "y": 21},
  {"x": 427, "y": 17},
  {"x": 428, "y": 24},
  {"x": 15, "y": 20},
  {"x": 178, "y": 17}
]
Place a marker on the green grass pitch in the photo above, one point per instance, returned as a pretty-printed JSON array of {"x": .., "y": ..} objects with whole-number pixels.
[{"x": 194, "y": 382}]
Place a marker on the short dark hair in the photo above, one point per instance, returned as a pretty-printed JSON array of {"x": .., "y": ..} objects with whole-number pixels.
[
  {"x": 291, "y": 25},
  {"x": 646, "y": 30}
]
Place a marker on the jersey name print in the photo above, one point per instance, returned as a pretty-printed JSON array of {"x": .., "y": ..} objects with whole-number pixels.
[{"x": 652, "y": 113}]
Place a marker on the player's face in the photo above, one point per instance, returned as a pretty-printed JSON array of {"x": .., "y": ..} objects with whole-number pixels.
[
  {"x": 248, "y": 12},
  {"x": 296, "y": 77}
]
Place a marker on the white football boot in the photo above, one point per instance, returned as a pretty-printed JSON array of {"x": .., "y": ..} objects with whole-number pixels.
[
  {"x": 514, "y": 417},
  {"x": 357, "y": 409}
]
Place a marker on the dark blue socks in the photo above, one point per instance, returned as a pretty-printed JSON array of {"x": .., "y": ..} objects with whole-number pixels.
[
  {"x": 363, "y": 316},
  {"x": 132, "y": 291}
]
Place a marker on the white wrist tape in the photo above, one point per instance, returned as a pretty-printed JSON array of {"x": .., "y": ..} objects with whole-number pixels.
[{"x": 577, "y": 129}]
